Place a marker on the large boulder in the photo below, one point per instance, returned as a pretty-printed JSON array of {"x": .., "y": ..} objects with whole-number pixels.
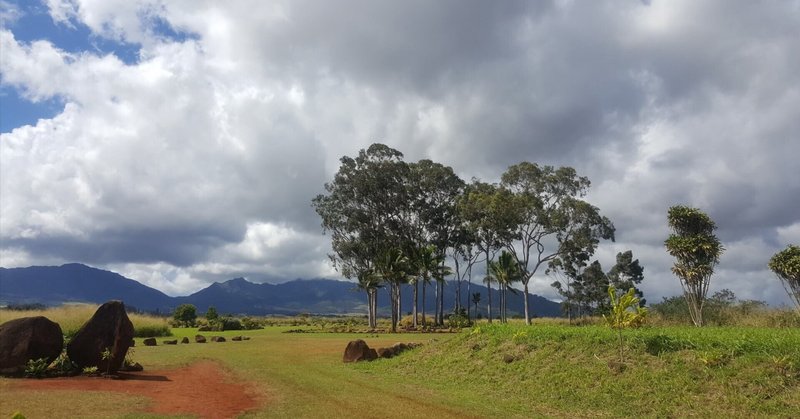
[
  {"x": 28, "y": 338},
  {"x": 149, "y": 342},
  {"x": 185, "y": 340},
  {"x": 200, "y": 339},
  {"x": 358, "y": 350},
  {"x": 108, "y": 329}
]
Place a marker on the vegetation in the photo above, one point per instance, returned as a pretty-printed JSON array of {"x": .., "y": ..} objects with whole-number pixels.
[
  {"x": 71, "y": 318},
  {"x": 723, "y": 309},
  {"x": 185, "y": 314},
  {"x": 786, "y": 265},
  {"x": 625, "y": 313},
  {"x": 392, "y": 223},
  {"x": 697, "y": 251}
]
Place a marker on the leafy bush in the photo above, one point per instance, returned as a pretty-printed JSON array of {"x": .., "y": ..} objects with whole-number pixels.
[
  {"x": 36, "y": 368},
  {"x": 185, "y": 314},
  {"x": 63, "y": 365},
  {"x": 251, "y": 324},
  {"x": 458, "y": 320}
]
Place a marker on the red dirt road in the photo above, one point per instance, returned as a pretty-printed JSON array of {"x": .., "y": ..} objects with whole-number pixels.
[{"x": 202, "y": 389}]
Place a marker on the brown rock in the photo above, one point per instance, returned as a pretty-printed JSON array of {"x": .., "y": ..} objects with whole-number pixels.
[
  {"x": 28, "y": 338},
  {"x": 135, "y": 367},
  {"x": 385, "y": 352},
  {"x": 108, "y": 329},
  {"x": 149, "y": 342},
  {"x": 171, "y": 342},
  {"x": 508, "y": 358},
  {"x": 236, "y": 338},
  {"x": 185, "y": 340},
  {"x": 200, "y": 339},
  {"x": 217, "y": 339},
  {"x": 358, "y": 350},
  {"x": 245, "y": 337}
]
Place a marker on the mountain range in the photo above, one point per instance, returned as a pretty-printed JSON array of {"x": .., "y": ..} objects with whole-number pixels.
[{"x": 55, "y": 285}]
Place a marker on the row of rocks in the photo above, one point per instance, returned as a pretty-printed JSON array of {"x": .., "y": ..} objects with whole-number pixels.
[
  {"x": 197, "y": 339},
  {"x": 358, "y": 350},
  {"x": 28, "y": 338}
]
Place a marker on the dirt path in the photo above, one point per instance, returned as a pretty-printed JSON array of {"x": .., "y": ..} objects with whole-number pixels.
[{"x": 202, "y": 389}]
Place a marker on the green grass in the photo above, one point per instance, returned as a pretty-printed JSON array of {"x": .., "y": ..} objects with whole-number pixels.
[{"x": 558, "y": 371}]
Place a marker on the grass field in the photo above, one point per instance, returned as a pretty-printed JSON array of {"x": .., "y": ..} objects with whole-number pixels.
[
  {"x": 71, "y": 317},
  {"x": 554, "y": 371}
]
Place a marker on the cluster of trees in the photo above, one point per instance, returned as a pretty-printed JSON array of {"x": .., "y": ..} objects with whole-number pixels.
[
  {"x": 394, "y": 223},
  {"x": 585, "y": 288}
]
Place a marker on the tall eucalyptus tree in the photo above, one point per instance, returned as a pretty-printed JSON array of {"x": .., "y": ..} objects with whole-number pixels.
[{"x": 553, "y": 221}]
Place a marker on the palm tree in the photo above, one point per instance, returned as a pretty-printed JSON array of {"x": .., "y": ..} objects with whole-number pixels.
[
  {"x": 392, "y": 267},
  {"x": 439, "y": 273},
  {"x": 505, "y": 271},
  {"x": 370, "y": 281},
  {"x": 429, "y": 263},
  {"x": 476, "y": 299}
]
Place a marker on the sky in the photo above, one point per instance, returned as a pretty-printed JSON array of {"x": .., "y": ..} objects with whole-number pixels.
[{"x": 180, "y": 142}]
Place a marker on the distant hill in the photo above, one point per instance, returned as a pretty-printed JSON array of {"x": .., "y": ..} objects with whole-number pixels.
[
  {"x": 54, "y": 285},
  {"x": 73, "y": 282}
]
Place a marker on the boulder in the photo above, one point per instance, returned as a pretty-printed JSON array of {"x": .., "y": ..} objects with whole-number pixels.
[
  {"x": 400, "y": 347},
  {"x": 245, "y": 337},
  {"x": 28, "y": 338},
  {"x": 358, "y": 350},
  {"x": 132, "y": 368},
  {"x": 236, "y": 338},
  {"x": 185, "y": 340},
  {"x": 200, "y": 339},
  {"x": 385, "y": 352},
  {"x": 108, "y": 329},
  {"x": 217, "y": 339},
  {"x": 171, "y": 342},
  {"x": 149, "y": 342}
]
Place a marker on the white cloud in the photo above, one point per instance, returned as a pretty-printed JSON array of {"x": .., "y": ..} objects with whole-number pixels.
[{"x": 198, "y": 161}]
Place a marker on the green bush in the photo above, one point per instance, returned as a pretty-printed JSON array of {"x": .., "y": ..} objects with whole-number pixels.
[
  {"x": 152, "y": 330},
  {"x": 458, "y": 320},
  {"x": 36, "y": 368}
]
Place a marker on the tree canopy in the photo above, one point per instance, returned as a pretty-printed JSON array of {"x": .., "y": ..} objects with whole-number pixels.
[{"x": 786, "y": 265}]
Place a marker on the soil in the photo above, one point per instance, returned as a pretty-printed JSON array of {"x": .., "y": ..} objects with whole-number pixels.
[{"x": 203, "y": 389}]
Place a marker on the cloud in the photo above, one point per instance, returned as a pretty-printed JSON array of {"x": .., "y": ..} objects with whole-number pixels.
[{"x": 197, "y": 162}]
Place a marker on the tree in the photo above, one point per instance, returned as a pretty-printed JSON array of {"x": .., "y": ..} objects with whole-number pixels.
[
  {"x": 433, "y": 190},
  {"x": 428, "y": 263},
  {"x": 365, "y": 210},
  {"x": 211, "y": 314},
  {"x": 369, "y": 282},
  {"x": 392, "y": 266},
  {"x": 627, "y": 274},
  {"x": 552, "y": 221},
  {"x": 625, "y": 312},
  {"x": 505, "y": 271},
  {"x": 185, "y": 314},
  {"x": 786, "y": 265},
  {"x": 486, "y": 210},
  {"x": 697, "y": 251},
  {"x": 476, "y": 299}
]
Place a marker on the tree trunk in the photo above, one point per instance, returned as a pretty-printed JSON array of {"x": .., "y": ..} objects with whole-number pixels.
[
  {"x": 488, "y": 287},
  {"x": 458, "y": 284},
  {"x": 469, "y": 293},
  {"x": 369, "y": 308},
  {"x": 424, "y": 289},
  {"x": 414, "y": 309},
  {"x": 525, "y": 296},
  {"x": 393, "y": 298}
]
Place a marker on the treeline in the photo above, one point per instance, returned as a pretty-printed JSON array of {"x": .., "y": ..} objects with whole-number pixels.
[{"x": 393, "y": 223}]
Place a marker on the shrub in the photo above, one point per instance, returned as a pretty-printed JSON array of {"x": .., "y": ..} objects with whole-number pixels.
[
  {"x": 251, "y": 324},
  {"x": 36, "y": 368},
  {"x": 151, "y": 331},
  {"x": 185, "y": 314},
  {"x": 458, "y": 320}
]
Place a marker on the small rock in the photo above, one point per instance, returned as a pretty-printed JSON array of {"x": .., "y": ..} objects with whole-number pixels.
[
  {"x": 508, "y": 358},
  {"x": 171, "y": 342},
  {"x": 185, "y": 340},
  {"x": 149, "y": 342},
  {"x": 132, "y": 368},
  {"x": 200, "y": 339},
  {"x": 217, "y": 339},
  {"x": 204, "y": 329},
  {"x": 245, "y": 337},
  {"x": 236, "y": 338},
  {"x": 358, "y": 350}
]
